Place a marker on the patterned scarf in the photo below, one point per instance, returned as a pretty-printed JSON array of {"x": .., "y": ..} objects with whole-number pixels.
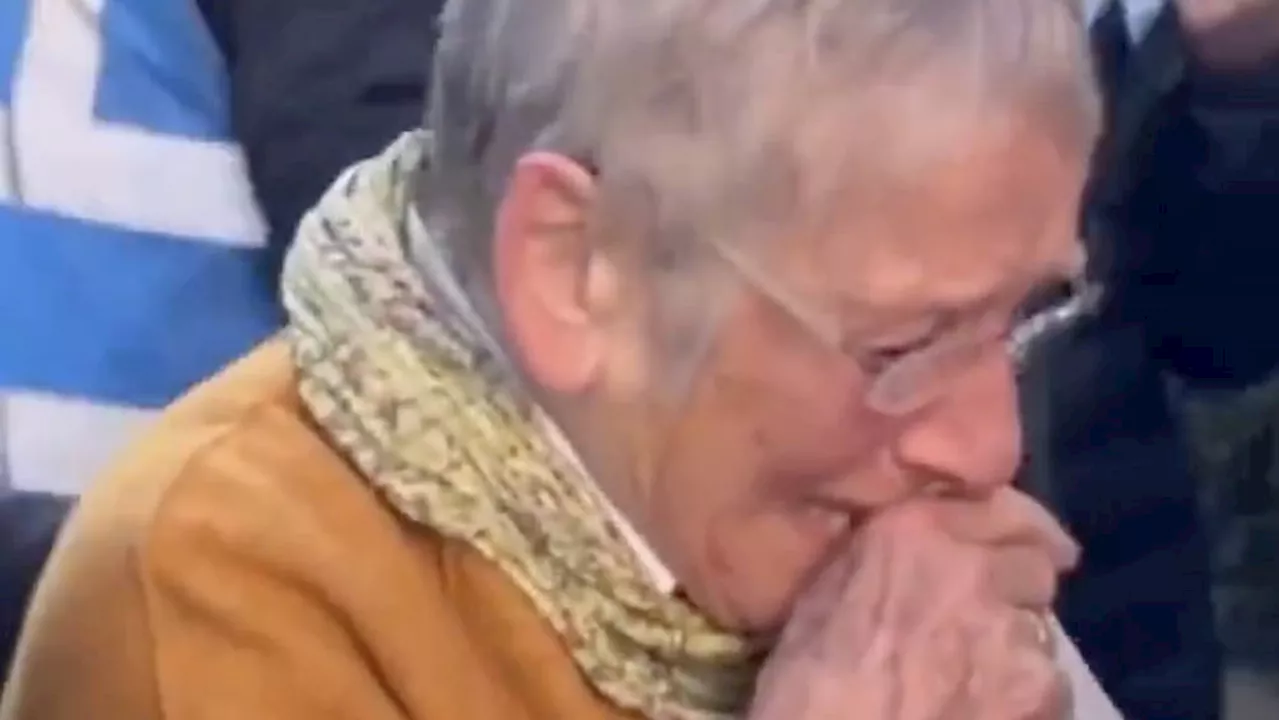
[{"x": 410, "y": 388}]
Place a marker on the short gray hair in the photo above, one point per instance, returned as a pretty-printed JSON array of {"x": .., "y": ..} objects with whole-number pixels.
[{"x": 704, "y": 116}]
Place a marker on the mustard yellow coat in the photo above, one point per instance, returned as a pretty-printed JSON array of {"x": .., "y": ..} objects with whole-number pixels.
[{"x": 232, "y": 566}]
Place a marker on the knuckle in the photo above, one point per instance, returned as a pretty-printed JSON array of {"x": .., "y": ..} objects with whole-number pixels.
[
  {"x": 1023, "y": 576},
  {"x": 1038, "y": 690}
]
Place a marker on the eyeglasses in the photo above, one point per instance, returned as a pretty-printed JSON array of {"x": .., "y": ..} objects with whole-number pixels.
[{"x": 917, "y": 378}]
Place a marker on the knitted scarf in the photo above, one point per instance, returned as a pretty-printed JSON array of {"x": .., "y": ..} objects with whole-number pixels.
[{"x": 408, "y": 386}]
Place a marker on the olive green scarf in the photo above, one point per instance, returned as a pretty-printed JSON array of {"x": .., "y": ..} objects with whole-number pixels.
[{"x": 408, "y": 386}]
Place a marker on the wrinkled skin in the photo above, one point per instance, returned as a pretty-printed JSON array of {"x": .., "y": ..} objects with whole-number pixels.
[
  {"x": 933, "y": 613},
  {"x": 771, "y": 464}
]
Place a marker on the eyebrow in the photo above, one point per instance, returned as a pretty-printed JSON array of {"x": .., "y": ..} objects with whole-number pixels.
[{"x": 1062, "y": 280}]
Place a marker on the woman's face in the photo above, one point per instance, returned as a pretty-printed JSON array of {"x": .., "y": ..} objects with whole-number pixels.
[
  {"x": 774, "y": 452},
  {"x": 774, "y": 457}
]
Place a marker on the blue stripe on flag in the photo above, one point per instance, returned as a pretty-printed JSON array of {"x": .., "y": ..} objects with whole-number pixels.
[
  {"x": 122, "y": 316},
  {"x": 161, "y": 70},
  {"x": 13, "y": 32}
]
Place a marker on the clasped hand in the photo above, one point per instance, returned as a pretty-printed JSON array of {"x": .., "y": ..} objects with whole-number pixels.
[{"x": 938, "y": 610}]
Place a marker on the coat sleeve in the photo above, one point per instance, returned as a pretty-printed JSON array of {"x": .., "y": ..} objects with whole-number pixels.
[
  {"x": 317, "y": 85},
  {"x": 206, "y": 605},
  {"x": 242, "y": 625}
]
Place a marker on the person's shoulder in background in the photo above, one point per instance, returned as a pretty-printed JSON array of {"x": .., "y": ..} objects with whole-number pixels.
[
  {"x": 317, "y": 86},
  {"x": 1180, "y": 206}
]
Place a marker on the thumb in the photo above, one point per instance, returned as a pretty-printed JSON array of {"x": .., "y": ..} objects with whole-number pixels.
[{"x": 1008, "y": 517}]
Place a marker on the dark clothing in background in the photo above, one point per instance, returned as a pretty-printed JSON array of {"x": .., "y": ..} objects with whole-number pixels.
[
  {"x": 1226, "y": 359},
  {"x": 1141, "y": 605},
  {"x": 1180, "y": 216},
  {"x": 29, "y": 522},
  {"x": 318, "y": 85},
  {"x": 1183, "y": 207}
]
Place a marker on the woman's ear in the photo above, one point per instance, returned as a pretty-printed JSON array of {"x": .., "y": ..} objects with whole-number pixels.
[{"x": 549, "y": 280}]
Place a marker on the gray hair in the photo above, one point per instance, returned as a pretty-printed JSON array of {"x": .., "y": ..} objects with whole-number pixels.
[{"x": 708, "y": 118}]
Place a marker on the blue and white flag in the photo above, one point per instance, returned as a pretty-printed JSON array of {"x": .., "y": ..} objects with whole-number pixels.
[{"x": 131, "y": 250}]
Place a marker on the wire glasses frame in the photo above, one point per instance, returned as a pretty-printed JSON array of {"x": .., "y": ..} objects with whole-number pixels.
[{"x": 919, "y": 378}]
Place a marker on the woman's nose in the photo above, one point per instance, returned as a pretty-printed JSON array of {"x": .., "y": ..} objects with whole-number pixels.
[{"x": 972, "y": 437}]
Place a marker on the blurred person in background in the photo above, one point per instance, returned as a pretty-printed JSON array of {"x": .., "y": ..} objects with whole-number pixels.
[
  {"x": 1180, "y": 215},
  {"x": 134, "y": 260},
  {"x": 316, "y": 86},
  {"x": 1223, "y": 350},
  {"x": 662, "y": 376}
]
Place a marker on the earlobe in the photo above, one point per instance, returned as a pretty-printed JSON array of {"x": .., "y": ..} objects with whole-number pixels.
[{"x": 543, "y": 272}]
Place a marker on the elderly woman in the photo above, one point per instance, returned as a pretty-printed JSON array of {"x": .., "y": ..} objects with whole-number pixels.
[{"x": 668, "y": 373}]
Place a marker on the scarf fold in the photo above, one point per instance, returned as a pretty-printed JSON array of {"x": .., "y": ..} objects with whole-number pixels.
[{"x": 407, "y": 384}]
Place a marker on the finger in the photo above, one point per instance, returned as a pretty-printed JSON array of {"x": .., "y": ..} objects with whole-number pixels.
[
  {"x": 1018, "y": 630},
  {"x": 866, "y": 600},
  {"x": 1036, "y": 690},
  {"x": 1008, "y": 517},
  {"x": 832, "y": 574},
  {"x": 838, "y": 612},
  {"x": 1022, "y": 576},
  {"x": 1019, "y": 684},
  {"x": 820, "y": 598},
  {"x": 1031, "y": 631}
]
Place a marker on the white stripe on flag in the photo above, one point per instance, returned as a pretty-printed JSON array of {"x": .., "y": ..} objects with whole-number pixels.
[
  {"x": 73, "y": 165},
  {"x": 6, "y": 189},
  {"x": 58, "y": 444},
  {"x": 7, "y": 159}
]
